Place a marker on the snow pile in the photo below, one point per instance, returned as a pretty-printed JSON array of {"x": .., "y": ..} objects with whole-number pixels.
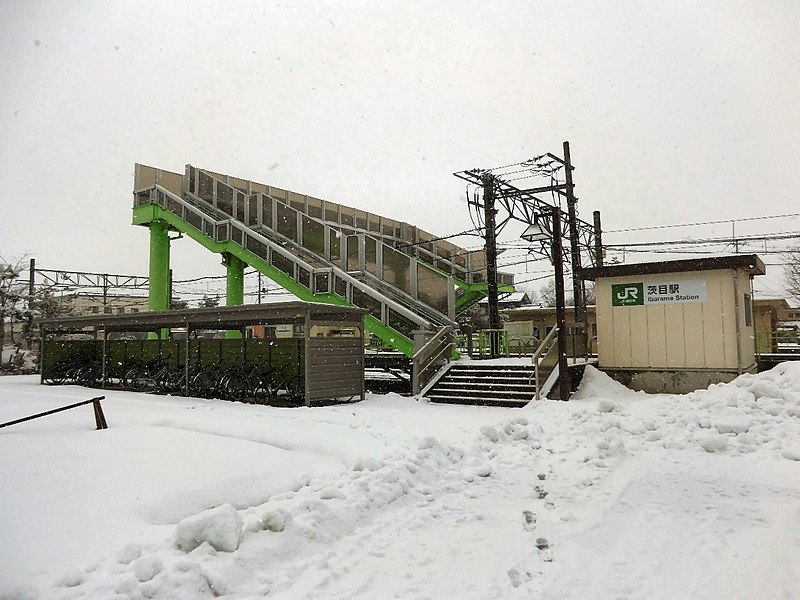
[
  {"x": 219, "y": 527},
  {"x": 618, "y": 494},
  {"x": 14, "y": 359},
  {"x": 596, "y": 384}
]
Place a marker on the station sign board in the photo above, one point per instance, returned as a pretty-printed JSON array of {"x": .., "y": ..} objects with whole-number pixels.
[{"x": 659, "y": 292}]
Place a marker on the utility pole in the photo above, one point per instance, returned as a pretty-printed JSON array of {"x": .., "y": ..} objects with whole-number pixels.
[
  {"x": 31, "y": 290},
  {"x": 561, "y": 321},
  {"x": 491, "y": 252},
  {"x": 575, "y": 255},
  {"x": 598, "y": 240}
]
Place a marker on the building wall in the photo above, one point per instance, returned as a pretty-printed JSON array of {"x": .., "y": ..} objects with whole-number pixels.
[
  {"x": 536, "y": 322},
  {"x": 679, "y": 335},
  {"x": 95, "y": 304},
  {"x": 767, "y": 315}
]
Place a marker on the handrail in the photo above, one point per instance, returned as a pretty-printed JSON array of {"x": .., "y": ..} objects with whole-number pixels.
[
  {"x": 409, "y": 247},
  {"x": 99, "y": 417},
  {"x": 421, "y": 321},
  {"x": 544, "y": 348},
  {"x": 429, "y": 312},
  {"x": 424, "y": 358}
]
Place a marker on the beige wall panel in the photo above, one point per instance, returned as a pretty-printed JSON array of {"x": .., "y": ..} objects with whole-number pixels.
[
  {"x": 714, "y": 337},
  {"x": 657, "y": 333},
  {"x": 144, "y": 177},
  {"x": 729, "y": 320},
  {"x": 676, "y": 350},
  {"x": 622, "y": 336},
  {"x": 605, "y": 347},
  {"x": 171, "y": 181},
  {"x": 639, "y": 336},
  {"x": 238, "y": 183},
  {"x": 747, "y": 337},
  {"x": 693, "y": 338}
]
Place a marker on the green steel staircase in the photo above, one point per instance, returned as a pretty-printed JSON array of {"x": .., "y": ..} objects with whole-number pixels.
[{"x": 317, "y": 250}]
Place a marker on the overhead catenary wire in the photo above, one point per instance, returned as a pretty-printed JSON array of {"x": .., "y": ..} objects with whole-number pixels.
[{"x": 719, "y": 222}]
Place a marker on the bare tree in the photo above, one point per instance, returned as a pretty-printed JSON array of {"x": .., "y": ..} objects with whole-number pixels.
[
  {"x": 547, "y": 293},
  {"x": 209, "y": 301},
  {"x": 792, "y": 271},
  {"x": 13, "y": 297},
  {"x": 589, "y": 294}
]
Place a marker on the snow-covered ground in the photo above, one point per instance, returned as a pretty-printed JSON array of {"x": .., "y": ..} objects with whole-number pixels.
[{"x": 612, "y": 495}]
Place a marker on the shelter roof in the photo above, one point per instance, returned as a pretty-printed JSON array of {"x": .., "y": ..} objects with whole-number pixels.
[{"x": 233, "y": 317}]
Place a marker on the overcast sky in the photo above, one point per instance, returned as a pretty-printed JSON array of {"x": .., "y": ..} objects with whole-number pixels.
[{"x": 676, "y": 112}]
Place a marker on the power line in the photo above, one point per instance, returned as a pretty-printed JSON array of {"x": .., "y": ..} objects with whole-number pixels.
[{"x": 703, "y": 223}]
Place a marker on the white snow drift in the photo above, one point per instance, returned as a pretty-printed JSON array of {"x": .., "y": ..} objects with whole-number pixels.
[{"x": 612, "y": 495}]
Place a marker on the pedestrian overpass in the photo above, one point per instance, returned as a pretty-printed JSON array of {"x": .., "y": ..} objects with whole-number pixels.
[{"x": 318, "y": 250}]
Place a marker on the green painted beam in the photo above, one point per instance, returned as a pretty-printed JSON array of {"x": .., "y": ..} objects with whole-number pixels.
[
  {"x": 158, "y": 288},
  {"x": 148, "y": 213},
  {"x": 475, "y": 292},
  {"x": 234, "y": 288}
]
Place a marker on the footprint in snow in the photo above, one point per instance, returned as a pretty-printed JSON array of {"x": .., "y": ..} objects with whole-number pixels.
[
  {"x": 545, "y": 549},
  {"x": 529, "y": 520}
]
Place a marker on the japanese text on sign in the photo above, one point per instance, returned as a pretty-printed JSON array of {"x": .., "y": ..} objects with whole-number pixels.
[{"x": 658, "y": 292}]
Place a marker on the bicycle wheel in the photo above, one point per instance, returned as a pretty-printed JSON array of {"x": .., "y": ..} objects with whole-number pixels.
[
  {"x": 233, "y": 387},
  {"x": 138, "y": 380},
  {"x": 263, "y": 390},
  {"x": 86, "y": 376}
]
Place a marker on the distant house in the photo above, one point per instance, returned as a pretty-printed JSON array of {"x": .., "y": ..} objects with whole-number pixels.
[
  {"x": 777, "y": 326},
  {"x": 528, "y": 326},
  {"x": 93, "y": 304},
  {"x": 480, "y": 312}
]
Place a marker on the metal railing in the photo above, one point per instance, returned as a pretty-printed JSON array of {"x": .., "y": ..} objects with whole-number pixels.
[
  {"x": 205, "y": 221},
  {"x": 99, "y": 417},
  {"x": 523, "y": 345},
  {"x": 492, "y": 343},
  {"x": 427, "y": 361},
  {"x": 542, "y": 359}
]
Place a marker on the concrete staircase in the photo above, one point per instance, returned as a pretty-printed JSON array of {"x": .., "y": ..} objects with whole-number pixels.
[{"x": 486, "y": 385}]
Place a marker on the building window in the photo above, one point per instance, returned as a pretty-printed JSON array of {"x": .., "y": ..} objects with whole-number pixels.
[
  {"x": 107, "y": 310},
  {"x": 134, "y": 310},
  {"x": 120, "y": 311},
  {"x": 95, "y": 309},
  {"x": 748, "y": 311}
]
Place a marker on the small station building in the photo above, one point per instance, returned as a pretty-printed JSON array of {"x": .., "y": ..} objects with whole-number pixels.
[{"x": 676, "y": 326}]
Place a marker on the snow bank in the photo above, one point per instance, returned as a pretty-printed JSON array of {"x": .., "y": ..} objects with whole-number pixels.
[
  {"x": 596, "y": 384},
  {"x": 393, "y": 497},
  {"x": 220, "y": 528}
]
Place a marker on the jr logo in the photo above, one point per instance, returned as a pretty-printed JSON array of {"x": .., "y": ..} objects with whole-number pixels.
[{"x": 627, "y": 294}]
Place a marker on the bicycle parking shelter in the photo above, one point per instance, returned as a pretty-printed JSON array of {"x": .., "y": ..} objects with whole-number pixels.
[{"x": 322, "y": 344}]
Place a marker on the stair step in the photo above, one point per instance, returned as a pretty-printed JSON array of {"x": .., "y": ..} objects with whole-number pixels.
[
  {"x": 478, "y": 385},
  {"x": 509, "y": 378},
  {"x": 491, "y": 368},
  {"x": 475, "y": 392},
  {"x": 491, "y": 374},
  {"x": 506, "y": 402}
]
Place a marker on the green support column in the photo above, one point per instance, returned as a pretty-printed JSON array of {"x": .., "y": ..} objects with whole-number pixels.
[
  {"x": 158, "y": 298},
  {"x": 234, "y": 287}
]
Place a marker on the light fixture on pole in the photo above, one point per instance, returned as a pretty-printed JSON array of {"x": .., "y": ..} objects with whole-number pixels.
[{"x": 536, "y": 232}]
